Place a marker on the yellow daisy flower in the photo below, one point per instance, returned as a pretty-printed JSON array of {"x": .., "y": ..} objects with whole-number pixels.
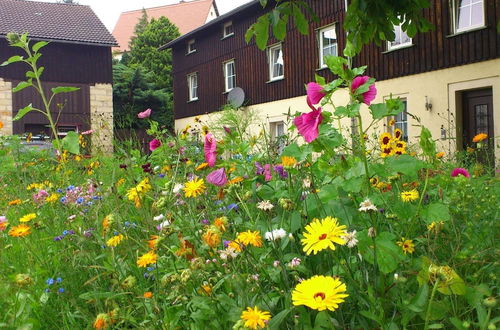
[
  {"x": 250, "y": 238},
  {"x": 20, "y": 231},
  {"x": 27, "y": 217},
  {"x": 410, "y": 195},
  {"x": 211, "y": 237},
  {"x": 407, "y": 245},
  {"x": 322, "y": 234},
  {"x": 115, "y": 240},
  {"x": 194, "y": 188},
  {"x": 255, "y": 318},
  {"x": 320, "y": 293},
  {"x": 147, "y": 259},
  {"x": 385, "y": 139},
  {"x": 288, "y": 161}
]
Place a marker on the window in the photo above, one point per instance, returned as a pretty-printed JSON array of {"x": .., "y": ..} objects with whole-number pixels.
[
  {"x": 467, "y": 14},
  {"x": 401, "y": 39},
  {"x": 229, "y": 76},
  {"x": 327, "y": 44},
  {"x": 193, "y": 86},
  {"x": 276, "y": 63},
  {"x": 401, "y": 121},
  {"x": 191, "y": 47},
  {"x": 278, "y": 135},
  {"x": 228, "y": 29}
]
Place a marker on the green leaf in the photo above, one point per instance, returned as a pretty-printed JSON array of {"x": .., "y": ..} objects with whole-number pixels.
[
  {"x": 70, "y": 143},
  {"x": 299, "y": 153},
  {"x": 58, "y": 90},
  {"x": 388, "y": 253},
  {"x": 406, "y": 165},
  {"x": 36, "y": 47},
  {"x": 22, "y": 85},
  {"x": 427, "y": 143},
  {"x": 436, "y": 212},
  {"x": 12, "y": 59},
  {"x": 21, "y": 113},
  {"x": 336, "y": 64},
  {"x": 279, "y": 29},
  {"x": 276, "y": 320},
  {"x": 419, "y": 301},
  {"x": 300, "y": 20}
]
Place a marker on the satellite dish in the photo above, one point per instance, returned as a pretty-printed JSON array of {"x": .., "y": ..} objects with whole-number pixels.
[{"x": 236, "y": 97}]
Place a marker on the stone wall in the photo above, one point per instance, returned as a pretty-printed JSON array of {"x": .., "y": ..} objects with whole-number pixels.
[
  {"x": 101, "y": 117},
  {"x": 5, "y": 107}
]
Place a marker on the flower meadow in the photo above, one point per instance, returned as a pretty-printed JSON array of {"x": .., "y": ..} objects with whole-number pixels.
[{"x": 338, "y": 230}]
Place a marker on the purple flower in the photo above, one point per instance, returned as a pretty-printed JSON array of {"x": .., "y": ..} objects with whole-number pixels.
[
  {"x": 460, "y": 171},
  {"x": 308, "y": 124},
  {"x": 226, "y": 243},
  {"x": 205, "y": 221},
  {"x": 267, "y": 172},
  {"x": 233, "y": 206},
  {"x": 58, "y": 238},
  {"x": 217, "y": 177},
  {"x": 145, "y": 114},
  {"x": 259, "y": 170},
  {"x": 281, "y": 171}
]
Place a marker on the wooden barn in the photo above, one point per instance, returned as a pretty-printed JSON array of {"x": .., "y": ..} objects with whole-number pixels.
[{"x": 79, "y": 55}]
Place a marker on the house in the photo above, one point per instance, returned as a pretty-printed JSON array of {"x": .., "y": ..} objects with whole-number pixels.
[
  {"x": 78, "y": 54},
  {"x": 448, "y": 77},
  {"x": 186, "y": 15}
]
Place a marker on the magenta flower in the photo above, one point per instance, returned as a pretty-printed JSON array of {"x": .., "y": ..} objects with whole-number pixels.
[
  {"x": 154, "y": 144},
  {"x": 210, "y": 149},
  {"x": 217, "y": 177},
  {"x": 308, "y": 124},
  {"x": 369, "y": 95},
  {"x": 460, "y": 171},
  {"x": 314, "y": 94},
  {"x": 145, "y": 114},
  {"x": 267, "y": 172}
]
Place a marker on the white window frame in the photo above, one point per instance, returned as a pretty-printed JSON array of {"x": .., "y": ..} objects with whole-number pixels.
[
  {"x": 272, "y": 61},
  {"x": 278, "y": 131},
  {"x": 191, "y": 46},
  {"x": 455, "y": 15},
  {"x": 192, "y": 86},
  {"x": 228, "y": 88},
  {"x": 403, "y": 123},
  {"x": 401, "y": 44},
  {"x": 224, "y": 33},
  {"x": 321, "y": 46}
]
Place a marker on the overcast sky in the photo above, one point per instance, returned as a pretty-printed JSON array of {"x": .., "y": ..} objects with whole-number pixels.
[{"x": 109, "y": 10}]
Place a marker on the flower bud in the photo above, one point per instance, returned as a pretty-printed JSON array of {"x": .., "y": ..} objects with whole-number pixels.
[{"x": 490, "y": 302}]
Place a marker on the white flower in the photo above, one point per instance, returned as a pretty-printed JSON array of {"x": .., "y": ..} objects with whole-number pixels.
[
  {"x": 229, "y": 252},
  {"x": 350, "y": 239},
  {"x": 177, "y": 188},
  {"x": 367, "y": 206},
  {"x": 265, "y": 205},
  {"x": 275, "y": 234},
  {"x": 156, "y": 168},
  {"x": 294, "y": 263},
  {"x": 276, "y": 263},
  {"x": 162, "y": 225},
  {"x": 306, "y": 183},
  {"x": 159, "y": 217}
]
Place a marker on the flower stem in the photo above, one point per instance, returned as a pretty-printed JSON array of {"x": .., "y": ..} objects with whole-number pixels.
[{"x": 428, "y": 312}]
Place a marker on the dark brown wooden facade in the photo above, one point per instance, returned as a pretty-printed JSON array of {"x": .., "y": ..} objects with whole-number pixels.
[{"x": 434, "y": 50}]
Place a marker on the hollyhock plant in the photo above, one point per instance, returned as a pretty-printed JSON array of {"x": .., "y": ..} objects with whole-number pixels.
[
  {"x": 217, "y": 177},
  {"x": 369, "y": 95},
  {"x": 460, "y": 171},
  {"x": 145, "y": 114},
  {"x": 308, "y": 124},
  {"x": 210, "y": 149},
  {"x": 314, "y": 94},
  {"x": 267, "y": 172},
  {"x": 154, "y": 144}
]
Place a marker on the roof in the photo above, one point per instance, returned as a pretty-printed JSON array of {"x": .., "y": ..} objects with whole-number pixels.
[
  {"x": 54, "y": 21},
  {"x": 216, "y": 21},
  {"x": 187, "y": 16}
]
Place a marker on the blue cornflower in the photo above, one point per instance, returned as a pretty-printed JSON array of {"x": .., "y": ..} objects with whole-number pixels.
[
  {"x": 232, "y": 206},
  {"x": 70, "y": 187},
  {"x": 61, "y": 290},
  {"x": 127, "y": 223},
  {"x": 58, "y": 238},
  {"x": 50, "y": 281},
  {"x": 65, "y": 233},
  {"x": 59, "y": 190},
  {"x": 79, "y": 200},
  {"x": 58, "y": 280},
  {"x": 161, "y": 175},
  {"x": 47, "y": 290},
  {"x": 63, "y": 199}
]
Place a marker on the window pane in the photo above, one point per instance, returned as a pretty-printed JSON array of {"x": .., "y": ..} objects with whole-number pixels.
[
  {"x": 481, "y": 111},
  {"x": 477, "y": 14},
  {"x": 464, "y": 17}
]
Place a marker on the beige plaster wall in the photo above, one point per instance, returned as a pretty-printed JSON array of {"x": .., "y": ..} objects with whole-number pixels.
[
  {"x": 441, "y": 87},
  {"x": 6, "y": 107},
  {"x": 101, "y": 117}
]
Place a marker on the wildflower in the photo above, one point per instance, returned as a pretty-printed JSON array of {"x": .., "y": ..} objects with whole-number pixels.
[
  {"x": 211, "y": 237},
  {"x": 194, "y": 188},
  {"x": 147, "y": 259},
  {"x": 288, "y": 161},
  {"x": 367, "y": 96},
  {"x": 267, "y": 172},
  {"x": 217, "y": 177},
  {"x": 409, "y": 196},
  {"x": 23, "y": 279},
  {"x": 15, "y": 202},
  {"x": 440, "y": 155},
  {"x": 406, "y": 245},
  {"x": 385, "y": 140},
  {"x": 250, "y": 238},
  {"x": 210, "y": 149},
  {"x": 159, "y": 217},
  {"x": 479, "y": 137},
  {"x": 281, "y": 171},
  {"x": 308, "y": 124},
  {"x": 276, "y": 263},
  {"x": 386, "y": 152},
  {"x": 314, "y": 93},
  {"x": 221, "y": 223},
  {"x": 135, "y": 193},
  {"x": 400, "y": 145},
  {"x": 145, "y": 114},
  {"x": 460, "y": 171},
  {"x": 286, "y": 203},
  {"x": 101, "y": 321},
  {"x": 295, "y": 262},
  {"x": 153, "y": 242},
  {"x": 398, "y": 134},
  {"x": 392, "y": 122},
  {"x": 206, "y": 289},
  {"x": 3, "y": 223},
  {"x": 177, "y": 188},
  {"x": 148, "y": 295},
  {"x": 274, "y": 235},
  {"x": 235, "y": 245},
  {"x": 235, "y": 180},
  {"x": 322, "y": 234},
  {"x": 367, "y": 206},
  {"x": 162, "y": 225},
  {"x": 255, "y": 318},
  {"x": 320, "y": 293},
  {"x": 202, "y": 166},
  {"x": 435, "y": 226},
  {"x": 265, "y": 205},
  {"x": 306, "y": 183},
  {"x": 20, "y": 231},
  {"x": 115, "y": 240},
  {"x": 154, "y": 144},
  {"x": 227, "y": 253},
  {"x": 350, "y": 238}
]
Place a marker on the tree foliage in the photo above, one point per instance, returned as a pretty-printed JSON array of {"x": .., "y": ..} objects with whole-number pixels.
[
  {"x": 140, "y": 26},
  {"x": 365, "y": 21}
]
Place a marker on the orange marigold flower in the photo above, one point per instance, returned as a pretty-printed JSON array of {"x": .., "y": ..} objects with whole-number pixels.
[
  {"x": 147, "y": 259},
  {"x": 20, "y": 231},
  {"x": 201, "y": 166},
  {"x": 153, "y": 242},
  {"x": 211, "y": 238},
  {"x": 479, "y": 137},
  {"x": 235, "y": 180},
  {"x": 440, "y": 155},
  {"x": 101, "y": 321},
  {"x": 148, "y": 295},
  {"x": 15, "y": 202},
  {"x": 288, "y": 161},
  {"x": 250, "y": 238},
  {"x": 221, "y": 223}
]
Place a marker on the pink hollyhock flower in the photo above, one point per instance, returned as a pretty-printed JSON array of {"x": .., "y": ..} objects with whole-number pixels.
[
  {"x": 144, "y": 114},
  {"x": 460, "y": 171},
  {"x": 308, "y": 124},
  {"x": 88, "y": 132},
  {"x": 210, "y": 149},
  {"x": 267, "y": 172},
  {"x": 154, "y": 144},
  {"x": 217, "y": 177},
  {"x": 314, "y": 94},
  {"x": 369, "y": 95}
]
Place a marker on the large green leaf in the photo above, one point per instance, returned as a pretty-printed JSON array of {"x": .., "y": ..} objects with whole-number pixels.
[
  {"x": 435, "y": 212},
  {"x": 405, "y": 164},
  {"x": 276, "y": 320},
  {"x": 21, "y": 113},
  {"x": 36, "y": 47},
  {"x": 22, "y": 85},
  {"x": 58, "y": 90},
  {"x": 12, "y": 59},
  {"x": 70, "y": 143},
  {"x": 388, "y": 253}
]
